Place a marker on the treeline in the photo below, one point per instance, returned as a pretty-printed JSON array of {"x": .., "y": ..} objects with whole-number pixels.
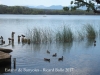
[{"x": 25, "y": 10}]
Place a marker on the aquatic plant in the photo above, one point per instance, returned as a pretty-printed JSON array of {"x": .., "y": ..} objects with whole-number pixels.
[
  {"x": 90, "y": 31},
  {"x": 65, "y": 35},
  {"x": 38, "y": 35},
  {"x": 46, "y": 36},
  {"x": 58, "y": 36}
]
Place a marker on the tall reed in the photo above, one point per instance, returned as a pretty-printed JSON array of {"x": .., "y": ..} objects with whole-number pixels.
[
  {"x": 65, "y": 35},
  {"x": 90, "y": 31},
  {"x": 38, "y": 35}
]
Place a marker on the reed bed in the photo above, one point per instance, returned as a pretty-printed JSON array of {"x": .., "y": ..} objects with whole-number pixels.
[
  {"x": 65, "y": 35},
  {"x": 37, "y": 35},
  {"x": 90, "y": 32}
]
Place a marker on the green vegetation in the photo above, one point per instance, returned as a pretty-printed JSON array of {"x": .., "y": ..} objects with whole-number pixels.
[
  {"x": 25, "y": 10},
  {"x": 37, "y": 35},
  {"x": 65, "y": 35},
  {"x": 91, "y": 32},
  {"x": 93, "y": 5}
]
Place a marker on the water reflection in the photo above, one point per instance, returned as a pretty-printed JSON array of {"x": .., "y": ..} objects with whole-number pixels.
[
  {"x": 13, "y": 45},
  {"x": 35, "y": 47},
  {"x": 33, "y": 55},
  {"x": 65, "y": 46},
  {"x": 90, "y": 42},
  {"x": 51, "y": 46}
]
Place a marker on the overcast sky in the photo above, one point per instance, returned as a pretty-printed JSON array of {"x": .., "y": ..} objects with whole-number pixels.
[{"x": 35, "y": 2}]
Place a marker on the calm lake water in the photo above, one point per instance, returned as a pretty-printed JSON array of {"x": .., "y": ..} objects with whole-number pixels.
[{"x": 80, "y": 57}]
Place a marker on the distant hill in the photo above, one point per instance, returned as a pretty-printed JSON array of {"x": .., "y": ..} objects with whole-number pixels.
[
  {"x": 4, "y": 9},
  {"x": 58, "y": 7}
]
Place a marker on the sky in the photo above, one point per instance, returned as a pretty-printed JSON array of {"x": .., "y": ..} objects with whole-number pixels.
[{"x": 35, "y": 2}]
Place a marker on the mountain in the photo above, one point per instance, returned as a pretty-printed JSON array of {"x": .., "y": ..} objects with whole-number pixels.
[
  {"x": 83, "y": 8},
  {"x": 58, "y": 7}
]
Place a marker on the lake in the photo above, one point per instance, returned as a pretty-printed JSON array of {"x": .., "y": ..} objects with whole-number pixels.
[{"x": 79, "y": 57}]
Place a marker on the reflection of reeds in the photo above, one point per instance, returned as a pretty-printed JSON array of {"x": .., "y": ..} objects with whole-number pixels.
[
  {"x": 91, "y": 32},
  {"x": 65, "y": 35}
]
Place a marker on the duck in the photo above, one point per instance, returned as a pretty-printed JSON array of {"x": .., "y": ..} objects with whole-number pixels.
[
  {"x": 54, "y": 55},
  {"x": 23, "y": 35},
  {"x": 1, "y": 37},
  {"x": 3, "y": 42},
  {"x": 48, "y": 52},
  {"x": 94, "y": 44},
  {"x": 94, "y": 41},
  {"x": 60, "y": 58},
  {"x": 12, "y": 34},
  {"x": 46, "y": 59},
  {"x": 9, "y": 39},
  {"x": 19, "y": 38}
]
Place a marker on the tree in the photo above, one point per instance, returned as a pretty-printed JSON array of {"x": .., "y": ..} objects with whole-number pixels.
[{"x": 89, "y": 4}]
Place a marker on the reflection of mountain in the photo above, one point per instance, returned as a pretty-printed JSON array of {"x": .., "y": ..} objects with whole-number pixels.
[{"x": 90, "y": 42}]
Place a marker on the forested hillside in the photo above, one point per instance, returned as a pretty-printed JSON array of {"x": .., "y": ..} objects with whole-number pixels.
[{"x": 25, "y": 10}]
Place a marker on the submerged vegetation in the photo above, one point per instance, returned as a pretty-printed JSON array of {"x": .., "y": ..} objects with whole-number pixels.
[{"x": 65, "y": 35}]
